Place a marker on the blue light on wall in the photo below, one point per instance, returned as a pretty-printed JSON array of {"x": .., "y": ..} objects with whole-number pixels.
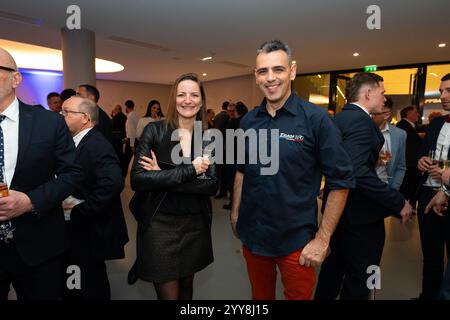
[{"x": 37, "y": 84}]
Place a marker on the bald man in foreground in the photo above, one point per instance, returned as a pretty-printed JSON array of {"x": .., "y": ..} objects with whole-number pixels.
[{"x": 38, "y": 154}]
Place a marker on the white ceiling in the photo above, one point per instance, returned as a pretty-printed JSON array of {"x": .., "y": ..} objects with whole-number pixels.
[{"x": 323, "y": 34}]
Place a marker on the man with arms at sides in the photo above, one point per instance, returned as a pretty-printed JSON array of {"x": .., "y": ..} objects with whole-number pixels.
[
  {"x": 410, "y": 183},
  {"x": 104, "y": 124},
  {"x": 359, "y": 238},
  {"x": 391, "y": 162},
  {"x": 434, "y": 229},
  {"x": 274, "y": 214},
  {"x": 38, "y": 154},
  {"x": 97, "y": 226}
]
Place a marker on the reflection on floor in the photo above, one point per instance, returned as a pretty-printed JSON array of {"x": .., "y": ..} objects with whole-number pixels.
[{"x": 226, "y": 278}]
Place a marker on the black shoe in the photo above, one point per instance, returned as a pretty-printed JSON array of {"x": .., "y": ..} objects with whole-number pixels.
[
  {"x": 227, "y": 206},
  {"x": 132, "y": 276}
]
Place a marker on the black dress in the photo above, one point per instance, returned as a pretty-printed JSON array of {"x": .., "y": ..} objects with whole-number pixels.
[{"x": 175, "y": 241}]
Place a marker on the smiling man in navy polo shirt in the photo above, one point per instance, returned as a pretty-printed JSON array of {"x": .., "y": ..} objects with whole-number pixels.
[{"x": 275, "y": 215}]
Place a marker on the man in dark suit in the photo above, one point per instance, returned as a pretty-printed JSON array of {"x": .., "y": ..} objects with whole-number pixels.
[
  {"x": 104, "y": 124},
  {"x": 434, "y": 229},
  {"x": 413, "y": 142},
  {"x": 38, "y": 154},
  {"x": 220, "y": 123},
  {"x": 359, "y": 238},
  {"x": 119, "y": 120},
  {"x": 97, "y": 226}
]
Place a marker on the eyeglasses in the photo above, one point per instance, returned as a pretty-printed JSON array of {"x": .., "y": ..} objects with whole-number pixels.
[
  {"x": 7, "y": 69},
  {"x": 65, "y": 112}
]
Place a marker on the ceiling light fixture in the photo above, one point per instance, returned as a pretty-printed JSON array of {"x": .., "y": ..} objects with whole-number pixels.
[
  {"x": 41, "y": 58},
  {"x": 442, "y": 45},
  {"x": 294, "y": 62},
  {"x": 356, "y": 54},
  {"x": 206, "y": 58},
  {"x": 204, "y": 74}
]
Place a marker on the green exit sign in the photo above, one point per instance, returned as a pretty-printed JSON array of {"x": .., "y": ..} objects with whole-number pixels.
[{"x": 370, "y": 68}]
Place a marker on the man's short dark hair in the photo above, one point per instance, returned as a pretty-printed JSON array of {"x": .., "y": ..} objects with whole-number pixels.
[
  {"x": 389, "y": 103},
  {"x": 359, "y": 80},
  {"x": 446, "y": 77},
  {"x": 92, "y": 90},
  {"x": 274, "y": 45},
  {"x": 67, "y": 93},
  {"x": 241, "y": 108},
  {"x": 53, "y": 94},
  {"x": 129, "y": 104},
  {"x": 225, "y": 105},
  {"x": 404, "y": 112}
]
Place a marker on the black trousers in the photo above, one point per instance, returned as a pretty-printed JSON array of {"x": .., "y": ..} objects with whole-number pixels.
[
  {"x": 41, "y": 282},
  {"x": 410, "y": 184},
  {"x": 344, "y": 271},
  {"x": 93, "y": 273},
  {"x": 126, "y": 158},
  {"x": 434, "y": 237}
]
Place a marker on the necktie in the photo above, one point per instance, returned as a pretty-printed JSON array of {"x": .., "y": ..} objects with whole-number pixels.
[
  {"x": 447, "y": 118},
  {"x": 2, "y": 148}
]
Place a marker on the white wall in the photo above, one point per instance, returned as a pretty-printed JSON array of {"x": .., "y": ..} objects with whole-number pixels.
[
  {"x": 234, "y": 89},
  {"x": 117, "y": 92}
]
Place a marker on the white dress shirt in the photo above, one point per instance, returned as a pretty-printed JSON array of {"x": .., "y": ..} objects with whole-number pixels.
[
  {"x": 441, "y": 151},
  {"x": 130, "y": 126},
  {"x": 10, "y": 128},
  {"x": 80, "y": 135}
]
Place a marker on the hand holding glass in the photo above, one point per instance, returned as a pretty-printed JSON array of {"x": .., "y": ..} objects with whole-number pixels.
[{"x": 6, "y": 227}]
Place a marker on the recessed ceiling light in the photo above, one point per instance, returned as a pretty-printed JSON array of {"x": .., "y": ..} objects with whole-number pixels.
[
  {"x": 204, "y": 74},
  {"x": 294, "y": 62},
  {"x": 441, "y": 45},
  {"x": 320, "y": 77},
  {"x": 356, "y": 54},
  {"x": 206, "y": 58}
]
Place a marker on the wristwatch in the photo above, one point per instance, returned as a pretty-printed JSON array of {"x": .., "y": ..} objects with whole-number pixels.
[{"x": 446, "y": 191}]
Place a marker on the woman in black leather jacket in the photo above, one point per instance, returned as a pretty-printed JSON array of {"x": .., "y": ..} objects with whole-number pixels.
[{"x": 174, "y": 227}]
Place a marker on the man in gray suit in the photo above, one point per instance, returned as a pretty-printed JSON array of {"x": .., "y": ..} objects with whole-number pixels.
[{"x": 392, "y": 164}]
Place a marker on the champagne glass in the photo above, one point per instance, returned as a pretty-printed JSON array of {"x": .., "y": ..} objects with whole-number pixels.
[
  {"x": 207, "y": 155},
  {"x": 6, "y": 227}
]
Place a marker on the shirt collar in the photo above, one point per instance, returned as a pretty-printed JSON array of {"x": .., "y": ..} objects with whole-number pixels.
[
  {"x": 289, "y": 106},
  {"x": 386, "y": 127},
  {"x": 364, "y": 109},
  {"x": 411, "y": 123},
  {"x": 12, "y": 111},
  {"x": 80, "y": 135}
]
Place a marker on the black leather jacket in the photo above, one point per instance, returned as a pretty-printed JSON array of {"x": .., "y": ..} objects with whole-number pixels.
[{"x": 152, "y": 186}]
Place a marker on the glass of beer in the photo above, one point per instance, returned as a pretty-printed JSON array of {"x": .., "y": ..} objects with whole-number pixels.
[
  {"x": 6, "y": 227},
  {"x": 3, "y": 184}
]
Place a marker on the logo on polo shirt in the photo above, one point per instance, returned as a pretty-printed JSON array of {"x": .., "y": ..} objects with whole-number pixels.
[{"x": 292, "y": 137}]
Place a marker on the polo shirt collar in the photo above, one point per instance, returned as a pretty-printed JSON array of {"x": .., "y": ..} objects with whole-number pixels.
[{"x": 289, "y": 106}]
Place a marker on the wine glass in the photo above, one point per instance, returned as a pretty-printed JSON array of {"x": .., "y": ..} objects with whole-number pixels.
[{"x": 207, "y": 153}]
